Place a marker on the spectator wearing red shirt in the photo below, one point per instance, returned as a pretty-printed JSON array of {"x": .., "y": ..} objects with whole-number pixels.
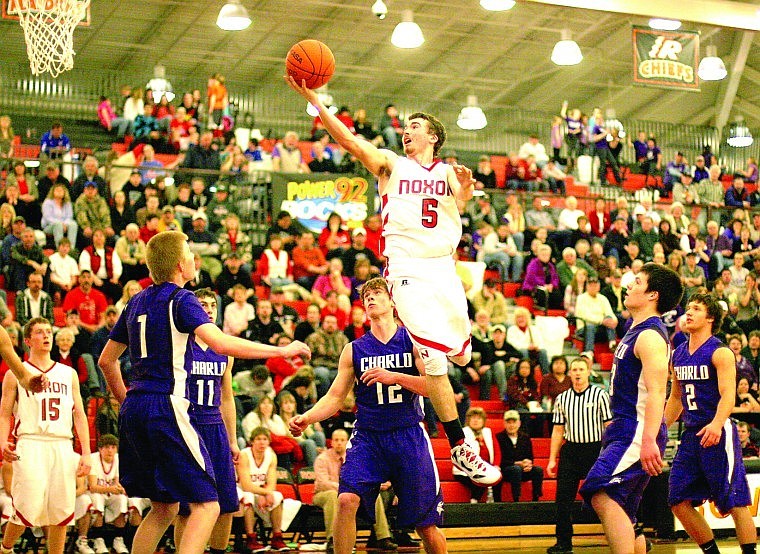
[
  {"x": 150, "y": 229},
  {"x": 281, "y": 368},
  {"x": 334, "y": 239},
  {"x": 331, "y": 307},
  {"x": 515, "y": 172},
  {"x": 599, "y": 218},
  {"x": 358, "y": 326},
  {"x": 374, "y": 227},
  {"x": 308, "y": 261},
  {"x": 89, "y": 302}
]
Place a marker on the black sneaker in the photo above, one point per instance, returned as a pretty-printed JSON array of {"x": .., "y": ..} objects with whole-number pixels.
[
  {"x": 404, "y": 540},
  {"x": 559, "y": 549},
  {"x": 385, "y": 545}
]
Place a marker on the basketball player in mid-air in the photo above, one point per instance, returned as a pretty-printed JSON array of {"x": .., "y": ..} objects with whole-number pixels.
[
  {"x": 162, "y": 455},
  {"x": 709, "y": 462},
  {"x": 45, "y": 466},
  {"x": 421, "y": 231},
  {"x": 634, "y": 442},
  {"x": 388, "y": 443}
]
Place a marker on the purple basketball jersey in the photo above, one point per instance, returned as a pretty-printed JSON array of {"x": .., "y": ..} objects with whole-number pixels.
[
  {"x": 385, "y": 407},
  {"x": 205, "y": 369},
  {"x": 698, "y": 380},
  {"x": 627, "y": 393}
]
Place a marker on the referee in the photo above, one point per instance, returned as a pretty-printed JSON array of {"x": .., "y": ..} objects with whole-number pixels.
[{"x": 580, "y": 416}]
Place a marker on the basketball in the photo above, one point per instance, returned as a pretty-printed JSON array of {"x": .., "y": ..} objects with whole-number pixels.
[{"x": 312, "y": 61}]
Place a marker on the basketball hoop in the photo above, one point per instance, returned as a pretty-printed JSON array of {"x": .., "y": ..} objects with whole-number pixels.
[{"x": 49, "y": 32}]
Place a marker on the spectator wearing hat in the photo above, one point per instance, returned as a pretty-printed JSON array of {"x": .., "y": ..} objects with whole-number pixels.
[
  {"x": 105, "y": 265},
  {"x": 615, "y": 294},
  {"x": 684, "y": 190},
  {"x": 52, "y": 176},
  {"x": 134, "y": 188},
  {"x": 673, "y": 172},
  {"x": 18, "y": 224},
  {"x": 481, "y": 439},
  {"x": 167, "y": 221},
  {"x": 700, "y": 170},
  {"x": 27, "y": 257},
  {"x": 92, "y": 212},
  {"x": 516, "y": 462},
  {"x": 89, "y": 175},
  {"x": 594, "y": 315},
  {"x": 220, "y": 207},
  {"x": 202, "y": 240},
  {"x": 285, "y": 315},
  {"x": 359, "y": 251}
]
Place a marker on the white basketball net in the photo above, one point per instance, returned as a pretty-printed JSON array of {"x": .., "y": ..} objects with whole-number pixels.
[{"x": 49, "y": 33}]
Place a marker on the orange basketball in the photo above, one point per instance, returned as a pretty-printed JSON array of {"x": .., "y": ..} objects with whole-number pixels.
[{"x": 312, "y": 61}]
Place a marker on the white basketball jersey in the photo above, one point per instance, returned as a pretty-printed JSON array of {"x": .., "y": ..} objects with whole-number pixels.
[
  {"x": 259, "y": 472},
  {"x": 420, "y": 215},
  {"x": 48, "y": 413},
  {"x": 105, "y": 473}
]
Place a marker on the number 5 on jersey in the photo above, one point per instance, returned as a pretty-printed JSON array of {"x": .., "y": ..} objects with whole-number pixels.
[{"x": 429, "y": 215}]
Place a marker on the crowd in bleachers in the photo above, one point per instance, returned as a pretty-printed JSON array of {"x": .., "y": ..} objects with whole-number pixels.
[{"x": 73, "y": 250}]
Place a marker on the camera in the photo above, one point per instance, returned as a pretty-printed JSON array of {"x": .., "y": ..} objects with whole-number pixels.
[{"x": 379, "y": 9}]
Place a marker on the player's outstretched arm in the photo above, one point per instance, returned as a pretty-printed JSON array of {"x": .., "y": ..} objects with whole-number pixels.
[
  {"x": 725, "y": 367},
  {"x": 674, "y": 407},
  {"x": 31, "y": 382},
  {"x": 10, "y": 391},
  {"x": 242, "y": 348},
  {"x": 375, "y": 160},
  {"x": 109, "y": 363},
  {"x": 653, "y": 353},
  {"x": 333, "y": 400}
]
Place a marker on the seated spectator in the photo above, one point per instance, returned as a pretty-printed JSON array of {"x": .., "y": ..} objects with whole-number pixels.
[
  {"x": 667, "y": 239},
  {"x": 484, "y": 175},
  {"x": 491, "y": 301},
  {"x": 357, "y": 326},
  {"x": 358, "y": 250},
  {"x": 326, "y": 345},
  {"x": 617, "y": 238},
  {"x": 718, "y": 248},
  {"x": 30, "y": 211},
  {"x": 130, "y": 289},
  {"x": 261, "y": 328},
  {"x": 122, "y": 213},
  {"x": 752, "y": 350},
  {"x": 54, "y": 143},
  {"x": 28, "y": 191},
  {"x": 541, "y": 280},
  {"x": 646, "y": 237},
  {"x": 746, "y": 399},
  {"x": 27, "y": 257},
  {"x": 599, "y": 218},
  {"x": 749, "y": 449},
  {"x": 283, "y": 369},
  {"x": 58, "y": 215},
  {"x": 150, "y": 228},
  {"x": 554, "y": 177},
  {"x": 310, "y": 325},
  {"x": 232, "y": 274},
  {"x": 673, "y": 172},
  {"x": 288, "y": 229},
  {"x": 232, "y": 239},
  {"x": 282, "y": 313},
  {"x": 569, "y": 265},
  {"x": 736, "y": 195},
  {"x": 744, "y": 369},
  {"x": 555, "y": 383},
  {"x": 105, "y": 265},
  {"x": 327, "y": 471},
  {"x": 265, "y": 415},
  {"x": 593, "y": 313},
  {"x": 308, "y": 261},
  {"x": 64, "y": 269},
  {"x": 749, "y": 174},
  {"x": 333, "y": 280},
  {"x": 321, "y": 163},
  {"x": 32, "y": 301},
  {"x": 131, "y": 252},
  {"x": 239, "y": 313},
  {"x": 286, "y": 156},
  {"x": 92, "y": 212},
  {"x": 481, "y": 440},
  {"x": 534, "y": 148},
  {"x": 257, "y": 476},
  {"x": 312, "y": 440},
  {"x": 522, "y": 388},
  {"x": 202, "y": 279},
  {"x": 499, "y": 248},
  {"x": 362, "y": 273},
  {"x": 527, "y": 338},
  {"x": 52, "y": 176},
  {"x": 575, "y": 288},
  {"x": 89, "y": 304},
  {"x": 334, "y": 239},
  {"x": 516, "y": 464}
]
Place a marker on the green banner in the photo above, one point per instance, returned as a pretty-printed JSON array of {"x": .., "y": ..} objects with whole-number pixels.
[
  {"x": 311, "y": 197},
  {"x": 666, "y": 59}
]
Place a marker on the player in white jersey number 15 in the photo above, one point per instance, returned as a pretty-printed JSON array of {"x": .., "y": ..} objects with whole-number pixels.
[{"x": 421, "y": 231}]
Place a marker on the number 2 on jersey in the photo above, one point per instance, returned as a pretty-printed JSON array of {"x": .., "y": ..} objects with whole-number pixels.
[
  {"x": 690, "y": 397},
  {"x": 394, "y": 394},
  {"x": 429, "y": 215}
]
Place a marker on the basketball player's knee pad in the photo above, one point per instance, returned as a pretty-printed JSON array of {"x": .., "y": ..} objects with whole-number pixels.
[{"x": 435, "y": 362}]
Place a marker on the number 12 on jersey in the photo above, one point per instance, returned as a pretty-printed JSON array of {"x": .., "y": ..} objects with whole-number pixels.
[{"x": 393, "y": 393}]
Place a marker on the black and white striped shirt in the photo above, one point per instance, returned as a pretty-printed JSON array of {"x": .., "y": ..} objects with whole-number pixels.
[{"x": 583, "y": 414}]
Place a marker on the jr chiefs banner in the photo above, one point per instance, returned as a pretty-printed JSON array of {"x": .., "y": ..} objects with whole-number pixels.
[{"x": 665, "y": 58}]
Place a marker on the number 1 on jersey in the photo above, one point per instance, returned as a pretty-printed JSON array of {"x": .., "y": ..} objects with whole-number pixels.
[{"x": 142, "y": 320}]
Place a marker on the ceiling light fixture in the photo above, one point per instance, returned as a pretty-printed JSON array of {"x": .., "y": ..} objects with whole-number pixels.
[
  {"x": 159, "y": 85},
  {"x": 471, "y": 118},
  {"x": 233, "y": 16},
  {"x": 407, "y": 34},
  {"x": 739, "y": 135},
  {"x": 380, "y": 9},
  {"x": 711, "y": 67},
  {"x": 497, "y": 5},
  {"x": 566, "y": 51},
  {"x": 664, "y": 24}
]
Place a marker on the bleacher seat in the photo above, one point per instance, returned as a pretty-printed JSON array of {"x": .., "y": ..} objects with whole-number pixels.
[
  {"x": 445, "y": 470},
  {"x": 454, "y": 491},
  {"x": 306, "y": 492},
  {"x": 441, "y": 449}
]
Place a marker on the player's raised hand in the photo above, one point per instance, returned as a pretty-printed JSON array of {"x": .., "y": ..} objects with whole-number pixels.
[
  {"x": 297, "y": 425},
  {"x": 297, "y": 348},
  {"x": 36, "y": 383},
  {"x": 464, "y": 175},
  {"x": 302, "y": 89},
  {"x": 651, "y": 460},
  {"x": 378, "y": 375},
  {"x": 83, "y": 468},
  {"x": 710, "y": 434}
]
